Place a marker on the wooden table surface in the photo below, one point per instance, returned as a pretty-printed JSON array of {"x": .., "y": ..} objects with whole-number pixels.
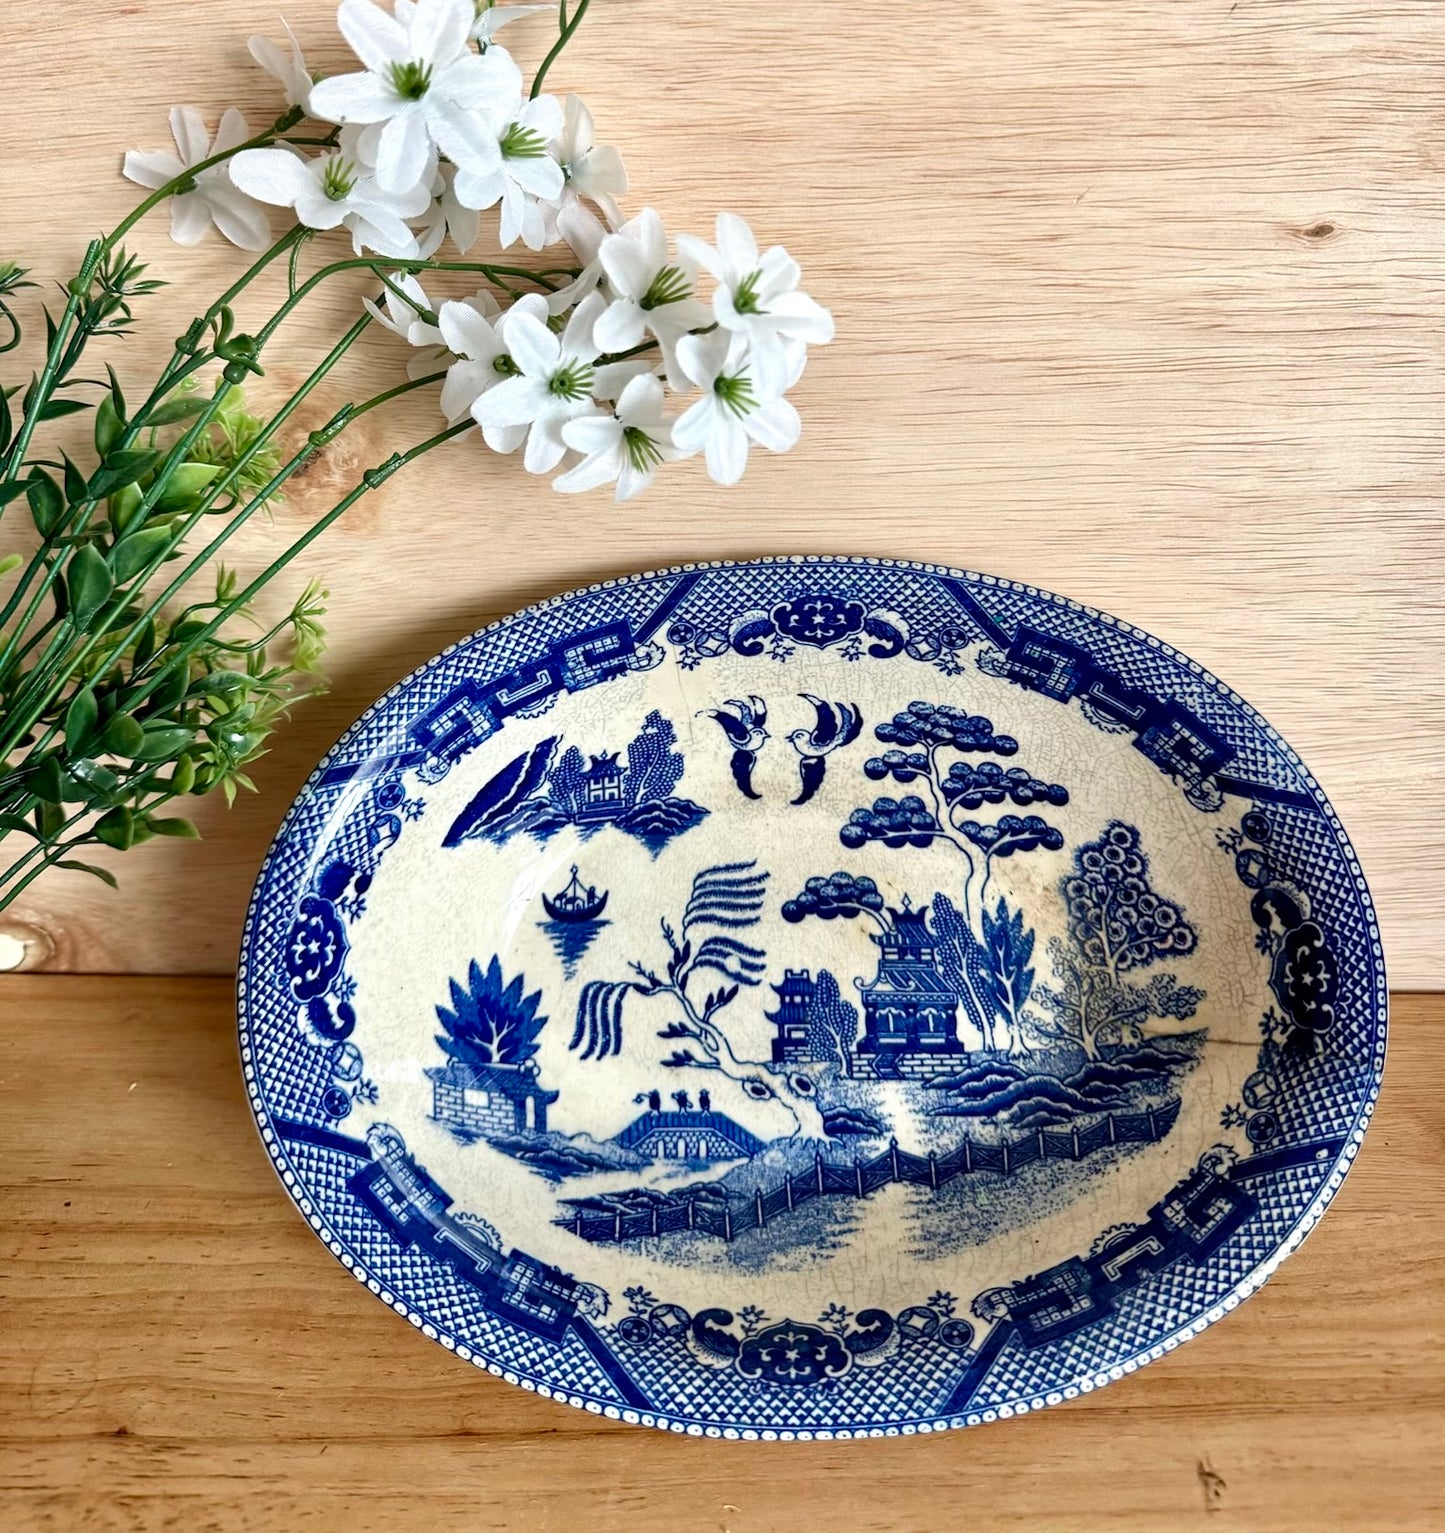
[
  {"x": 181, "y": 1351},
  {"x": 1138, "y": 302}
]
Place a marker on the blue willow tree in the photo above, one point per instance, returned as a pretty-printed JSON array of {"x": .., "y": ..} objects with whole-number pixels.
[{"x": 724, "y": 899}]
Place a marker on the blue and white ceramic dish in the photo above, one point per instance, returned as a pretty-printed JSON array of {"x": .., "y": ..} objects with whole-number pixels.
[{"x": 811, "y": 998}]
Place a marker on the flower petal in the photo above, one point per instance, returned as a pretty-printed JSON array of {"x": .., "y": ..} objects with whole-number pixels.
[
  {"x": 780, "y": 274},
  {"x": 465, "y": 383},
  {"x": 592, "y": 472},
  {"x": 276, "y": 176},
  {"x": 465, "y": 226},
  {"x": 632, "y": 481},
  {"x": 504, "y": 438},
  {"x": 736, "y": 244},
  {"x": 403, "y": 154},
  {"x": 797, "y": 315},
  {"x": 600, "y": 173},
  {"x": 353, "y": 98},
  {"x": 188, "y": 128},
  {"x": 727, "y": 449},
  {"x": 540, "y": 174},
  {"x": 466, "y": 139},
  {"x": 242, "y": 221},
  {"x": 514, "y": 402},
  {"x": 150, "y": 168},
  {"x": 490, "y": 83},
  {"x": 774, "y": 425},
  {"x": 480, "y": 191},
  {"x": 376, "y": 38},
  {"x": 440, "y": 28},
  {"x": 577, "y": 338},
  {"x": 592, "y": 433},
  {"x": 545, "y": 447},
  {"x": 626, "y": 265},
  {"x": 700, "y": 253},
  {"x": 619, "y": 327},
  {"x": 640, "y": 403},
  {"x": 768, "y": 361},
  {"x": 231, "y": 132},
  {"x": 609, "y": 381},
  {"x": 577, "y": 128},
  {"x": 379, "y": 229},
  {"x": 691, "y": 430},
  {"x": 467, "y": 333},
  {"x": 701, "y": 357},
  {"x": 543, "y": 115},
  {"x": 533, "y": 347},
  {"x": 190, "y": 218},
  {"x": 317, "y": 211}
]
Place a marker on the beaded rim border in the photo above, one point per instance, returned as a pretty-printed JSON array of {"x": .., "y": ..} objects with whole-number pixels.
[{"x": 1085, "y": 1383}]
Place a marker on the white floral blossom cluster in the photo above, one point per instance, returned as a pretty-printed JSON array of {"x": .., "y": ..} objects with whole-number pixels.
[{"x": 434, "y": 131}]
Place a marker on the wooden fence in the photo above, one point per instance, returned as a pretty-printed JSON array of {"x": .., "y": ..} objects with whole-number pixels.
[{"x": 708, "y": 1211}]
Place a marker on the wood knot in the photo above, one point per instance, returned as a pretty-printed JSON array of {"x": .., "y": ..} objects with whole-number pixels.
[{"x": 1317, "y": 233}]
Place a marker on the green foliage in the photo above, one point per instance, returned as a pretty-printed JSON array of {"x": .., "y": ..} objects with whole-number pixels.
[{"x": 119, "y": 690}]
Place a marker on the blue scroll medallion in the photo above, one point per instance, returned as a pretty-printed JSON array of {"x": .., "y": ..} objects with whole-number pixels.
[{"x": 811, "y": 998}]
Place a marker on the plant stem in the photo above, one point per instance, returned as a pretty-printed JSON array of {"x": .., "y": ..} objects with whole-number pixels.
[
  {"x": 94, "y": 255},
  {"x": 25, "y": 710},
  {"x": 45, "y": 383},
  {"x": 564, "y": 36},
  {"x": 372, "y": 479}
]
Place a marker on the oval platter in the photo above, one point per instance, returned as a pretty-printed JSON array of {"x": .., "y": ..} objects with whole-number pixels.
[{"x": 811, "y": 998}]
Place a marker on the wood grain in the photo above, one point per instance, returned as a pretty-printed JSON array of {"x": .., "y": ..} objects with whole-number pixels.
[
  {"x": 1138, "y": 302},
  {"x": 178, "y": 1350}
]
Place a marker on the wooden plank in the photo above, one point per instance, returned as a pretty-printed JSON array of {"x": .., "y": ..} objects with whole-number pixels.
[
  {"x": 177, "y": 1349},
  {"x": 1139, "y": 302}
]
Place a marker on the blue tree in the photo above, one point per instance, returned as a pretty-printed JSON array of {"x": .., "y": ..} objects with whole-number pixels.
[
  {"x": 1119, "y": 925},
  {"x": 832, "y": 1022},
  {"x": 490, "y": 1023},
  {"x": 985, "y": 954},
  {"x": 943, "y": 810}
]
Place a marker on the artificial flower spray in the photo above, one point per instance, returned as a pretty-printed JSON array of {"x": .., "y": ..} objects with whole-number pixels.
[{"x": 132, "y": 672}]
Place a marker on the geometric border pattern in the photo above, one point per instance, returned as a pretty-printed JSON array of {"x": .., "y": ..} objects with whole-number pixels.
[{"x": 1164, "y": 1310}]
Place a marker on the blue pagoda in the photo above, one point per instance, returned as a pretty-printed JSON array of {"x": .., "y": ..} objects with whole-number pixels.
[
  {"x": 604, "y": 794},
  {"x": 910, "y": 1012}
]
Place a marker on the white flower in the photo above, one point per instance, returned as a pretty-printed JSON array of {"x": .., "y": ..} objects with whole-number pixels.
[
  {"x": 423, "y": 90},
  {"x": 329, "y": 192},
  {"x": 522, "y": 172},
  {"x": 626, "y": 446},
  {"x": 757, "y": 296},
  {"x": 491, "y": 18},
  {"x": 554, "y": 380},
  {"x": 591, "y": 169},
  {"x": 584, "y": 232},
  {"x": 400, "y": 316},
  {"x": 736, "y": 409},
  {"x": 215, "y": 200},
  {"x": 445, "y": 215},
  {"x": 478, "y": 346},
  {"x": 653, "y": 291},
  {"x": 291, "y": 71},
  {"x": 407, "y": 317}
]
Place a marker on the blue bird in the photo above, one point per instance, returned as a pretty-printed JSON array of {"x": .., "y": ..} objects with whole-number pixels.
[
  {"x": 837, "y": 725},
  {"x": 746, "y": 733}
]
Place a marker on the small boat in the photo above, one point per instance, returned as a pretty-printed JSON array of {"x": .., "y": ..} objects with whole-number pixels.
[{"x": 575, "y": 903}]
